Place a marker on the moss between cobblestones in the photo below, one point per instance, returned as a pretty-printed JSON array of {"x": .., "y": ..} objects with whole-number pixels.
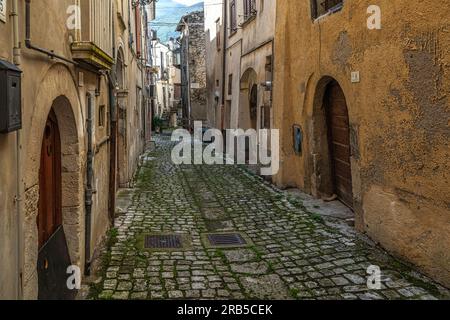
[
  {"x": 298, "y": 254},
  {"x": 294, "y": 292},
  {"x": 95, "y": 289},
  {"x": 405, "y": 270}
]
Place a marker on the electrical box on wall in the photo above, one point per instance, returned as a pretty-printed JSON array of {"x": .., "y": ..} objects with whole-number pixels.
[{"x": 10, "y": 97}]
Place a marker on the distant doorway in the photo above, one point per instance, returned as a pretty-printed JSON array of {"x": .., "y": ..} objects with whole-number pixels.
[
  {"x": 254, "y": 106},
  {"x": 248, "y": 100}
]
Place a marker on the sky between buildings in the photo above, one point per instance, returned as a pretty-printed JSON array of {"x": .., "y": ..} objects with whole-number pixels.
[{"x": 168, "y": 15}]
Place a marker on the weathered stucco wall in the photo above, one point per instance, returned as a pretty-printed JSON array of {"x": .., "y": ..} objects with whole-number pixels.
[
  {"x": 247, "y": 50},
  {"x": 214, "y": 61},
  {"x": 48, "y": 83},
  {"x": 398, "y": 116}
]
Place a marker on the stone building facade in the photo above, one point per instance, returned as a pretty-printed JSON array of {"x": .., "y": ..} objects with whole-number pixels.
[
  {"x": 59, "y": 171},
  {"x": 193, "y": 68},
  {"x": 215, "y": 41},
  {"x": 365, "y": 90},
  {"x": 240, "y": 55}
]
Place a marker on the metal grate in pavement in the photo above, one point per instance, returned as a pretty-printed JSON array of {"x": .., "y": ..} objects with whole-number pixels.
[
  {"x": 163, "y": 242},
  {"x": 226, "y": 239}
]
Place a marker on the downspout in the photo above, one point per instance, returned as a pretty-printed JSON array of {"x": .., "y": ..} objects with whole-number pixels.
[
  {"x": 16, "y": 36},
  {"x": 188, "y": 74},
  {"x": 18, "y": 199},
  {"x": 113, "y": 147},
  {"x": 113, "y": 134},
  {"x": 29, "y": 44},
  {"x": 224, "y": 62},
  {"x": 89, "y": 190}
]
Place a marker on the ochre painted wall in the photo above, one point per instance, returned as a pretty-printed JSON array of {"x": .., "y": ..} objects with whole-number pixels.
[{"x": 399, "y": 116}]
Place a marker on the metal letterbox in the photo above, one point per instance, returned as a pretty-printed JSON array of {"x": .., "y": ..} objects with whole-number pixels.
[{"x": 10, "y": 97}]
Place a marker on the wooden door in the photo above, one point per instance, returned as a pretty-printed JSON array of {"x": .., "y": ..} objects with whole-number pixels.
[
  {"x": 339, "y": 142},
  {"x": 53, "y": 259},
  {"x": 50, "y": 213},
  {"x": 254, "y": 106}
]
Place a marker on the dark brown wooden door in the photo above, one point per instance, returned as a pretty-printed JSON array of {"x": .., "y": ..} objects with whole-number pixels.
[
  {"x": 50, "y": 213},
  {"x": 339, "y": 140},
  {"x": 53, "y": 258},
  {"x": 254, "y": 106}
]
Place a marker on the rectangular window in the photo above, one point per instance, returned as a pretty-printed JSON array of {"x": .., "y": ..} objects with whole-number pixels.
[
  {"x": 230, "y": 84},
  {"x": 218, "y": 42},
  {"x": 249, "y": 9},
  {"x": 233, "y": 16},
  {"x": 137, "y": 12},
  {"x": 321, "y": 7},
  {"x": 101, "y": 116}
]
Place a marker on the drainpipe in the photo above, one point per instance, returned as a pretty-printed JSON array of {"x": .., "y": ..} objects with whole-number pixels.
[
  {"x": 113, "y": 134},
  {"x": 113, "y": 148},
  {"x": 18, "y": 198},
  {"x": 89, "y": 189},
  {"x": 50, "y": 53},
  {"x": 16, "y": 36},
  {"x": 188, "y": 73},
  {"x": 18, "y": 202},
  {"x": 224, "y": 62}
]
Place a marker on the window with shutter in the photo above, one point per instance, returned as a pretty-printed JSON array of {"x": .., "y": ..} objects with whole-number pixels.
[
  {"x": 249, "y": 9},
  {"x": 321, "y": 7},
  {"x": 233, "y": 16}
]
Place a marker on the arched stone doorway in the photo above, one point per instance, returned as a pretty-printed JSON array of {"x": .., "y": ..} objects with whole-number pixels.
[
  {"x": 248, "y": 100},
  {"x": 122, "y": 95},
  {"x": 57, "y": 92},
  {"x": 54, "y": 257},
  {"x": 331, "y": 149}
]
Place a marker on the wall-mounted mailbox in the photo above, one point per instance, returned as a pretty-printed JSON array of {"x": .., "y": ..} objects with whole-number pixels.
[{"x": 10, "y": 97}]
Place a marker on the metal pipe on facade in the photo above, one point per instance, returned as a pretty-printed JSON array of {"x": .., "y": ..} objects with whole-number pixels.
[
  {"x": 113, "y": 133},
  {"x": 224, "y": 62},
  {"x": 113, "y": 148},
  {"x": 19, "y": 230},
  {"x": 30, "y": 45},
  {"x": 16, "y": 36},
  {"x": 89, "y": 188},
  {"x": 18, "y": 199}
]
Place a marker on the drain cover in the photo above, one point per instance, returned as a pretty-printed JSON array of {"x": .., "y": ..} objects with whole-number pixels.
[
  {"x": 163, "y": 242},
  {"x": 226, "y": 239}
]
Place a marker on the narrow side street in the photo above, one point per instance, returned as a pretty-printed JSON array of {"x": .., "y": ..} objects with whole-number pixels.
[{"x": 287, "y": 253}]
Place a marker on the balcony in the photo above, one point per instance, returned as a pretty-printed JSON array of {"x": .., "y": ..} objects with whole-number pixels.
[
  {"x": 93, "y": 44},
  {"x": 91, "y": 54}
]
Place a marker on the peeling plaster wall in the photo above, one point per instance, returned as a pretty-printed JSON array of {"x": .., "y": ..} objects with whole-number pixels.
[{"x": 399, "y": 116}]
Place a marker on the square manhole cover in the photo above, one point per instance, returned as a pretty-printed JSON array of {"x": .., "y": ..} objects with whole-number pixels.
[
  {"x": 163, "y": 242},
  {"x": 226, "y": 240}
]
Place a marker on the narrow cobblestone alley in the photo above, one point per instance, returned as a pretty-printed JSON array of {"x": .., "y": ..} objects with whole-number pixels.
[{"x": 290, "y": 253}]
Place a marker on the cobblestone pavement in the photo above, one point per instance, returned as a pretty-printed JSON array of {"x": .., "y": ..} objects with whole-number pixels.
[{"x": 292, "y": 255}]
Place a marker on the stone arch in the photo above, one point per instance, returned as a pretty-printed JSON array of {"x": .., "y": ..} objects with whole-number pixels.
[
  {"x": 122, "y": 97},
  {"x": 57, "y": 92},
  {"x": 248, "y": 100},
  {"x": 321, "y": 175},
  {"x": 120, "y": 69}
]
